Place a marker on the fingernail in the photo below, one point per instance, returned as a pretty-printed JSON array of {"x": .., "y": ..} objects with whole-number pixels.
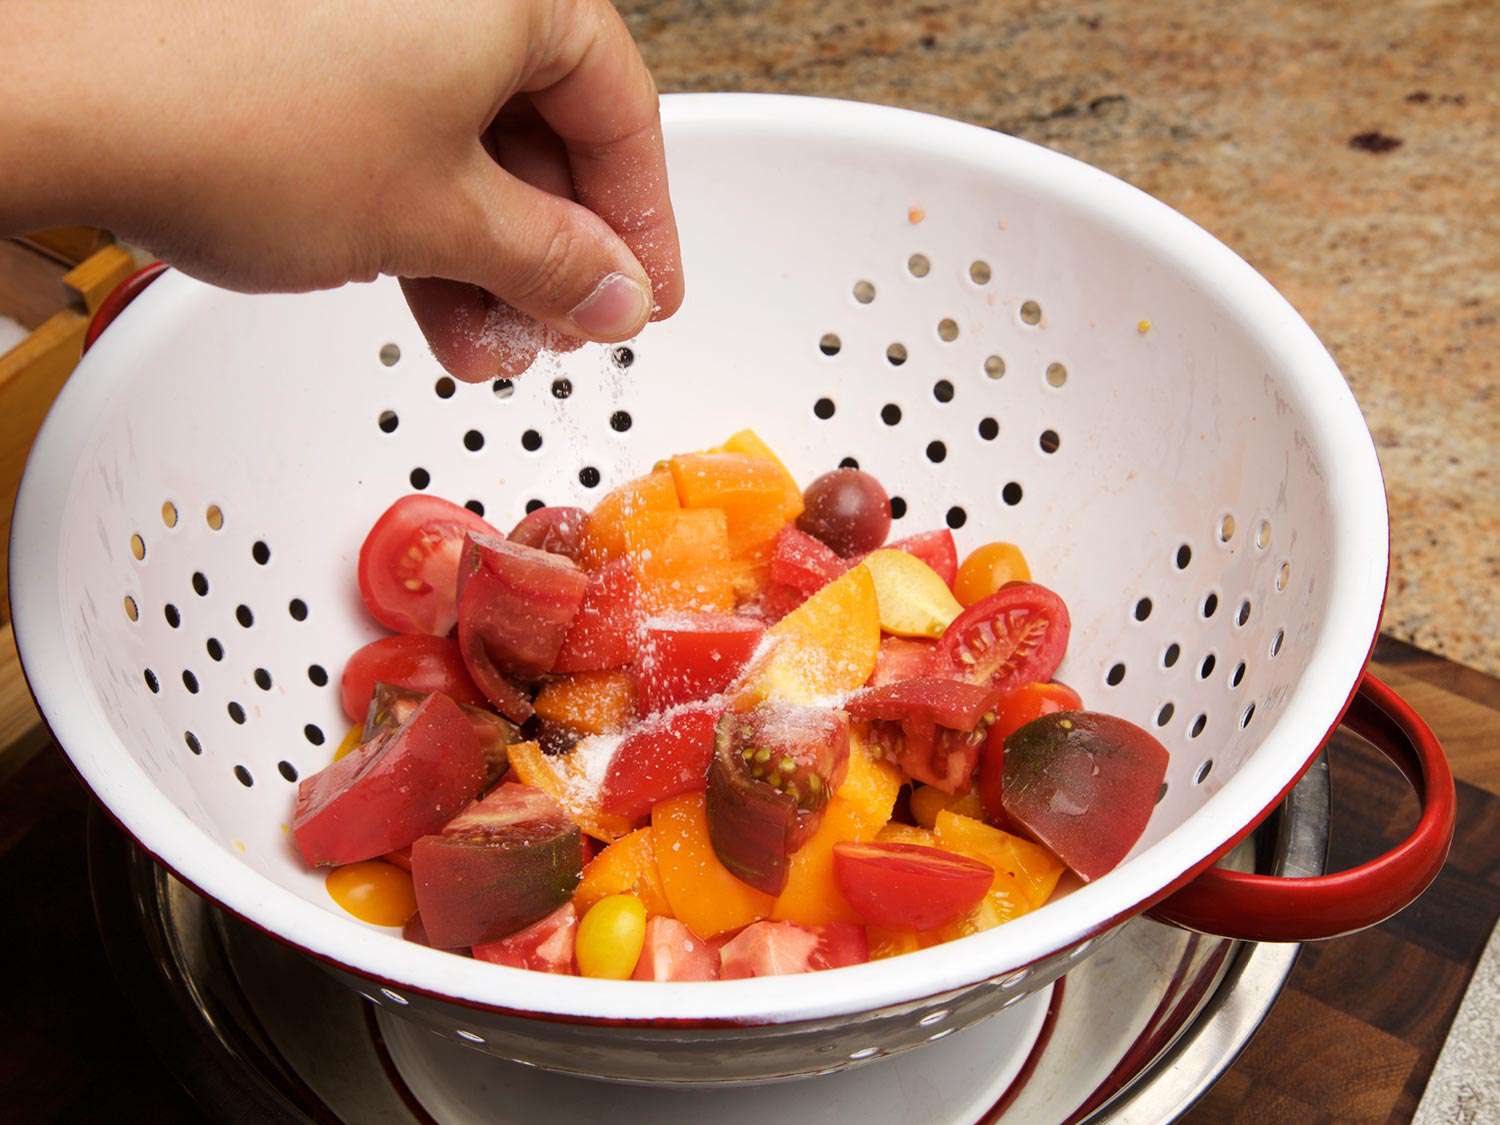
[{"x": 616, "y": 308}]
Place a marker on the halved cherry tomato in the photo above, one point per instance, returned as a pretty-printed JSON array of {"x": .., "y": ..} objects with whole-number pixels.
[
  {"x": 588, "y": 702},
  {"x": 803, "y": 563},
  {"x": 672, "y": 952},
  {"x": 776, "y": 948},
  {"x": 907, "y": 886},
  {"x": 914, "y": 600},
  {"x": 935, "y": 548},
  {"x": 603, "y": 633},
  {"x": 988, "y": 569},
  {"x": 559, "y": 531},
  {"x": 902, "y": 658},
  {"x": 408, "y": 564},
  {"x": 614, "y": 515},
  {"x": 686, "y": 657},
  {"x": 1013, "y": 637},
  {"x": 416, "y": 662},
  {"x": 544, "y": 947},
  {"x": 1084, "y": 784},
  {"x": 1013, "y": 711},
  {"x": 501, "y": 864},
  {"x": 400, "y": 785},
  {"x": 658, "y": 759}
]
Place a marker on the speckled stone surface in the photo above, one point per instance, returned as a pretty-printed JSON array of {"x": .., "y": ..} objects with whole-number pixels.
[{"x": 1350, "y": 151}]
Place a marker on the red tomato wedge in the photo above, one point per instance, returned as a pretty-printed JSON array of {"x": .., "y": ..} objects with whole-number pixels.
[
  {"x": 408, "y": 565},
  {"x": 932, "y": 699},
  {"x": 603, "y": 633},
  {"x": 1015, "y": 636},
  {"x": 501, "y": 864},
  {"x": 558, "y": 531},
  {"x": 660, "y": 758},
  {"x": 932, "y": 727},
  {"x": 902, "y": 658},
  {"x": 1013, "y": 711},
  {"x": 685, "y": 657},
  {"x": 414, "y": 930},
  {"x": 415, "y": 662},
  {"x": 767, "y": 949},
  {"x": 1083, "y": 784},
  {"x": 908, "y": 886},
  {"x": 544, "y": 947},
  {"x": 803, "y": 563},
  {"x": 400, "y": 785},
  {"x": 936, "y": 549},
  {"x": 674, "y": 952}
]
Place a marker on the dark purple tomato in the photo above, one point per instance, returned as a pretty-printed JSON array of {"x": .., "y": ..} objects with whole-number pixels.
[
  {"x": 847, "y": 509},
  {"x": 558, "y": 531}
]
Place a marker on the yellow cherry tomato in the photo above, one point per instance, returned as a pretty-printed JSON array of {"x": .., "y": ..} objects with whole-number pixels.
[
  {"x": 987, "y": 569},
  {"x": 913, "y": 599},
  {"x": 374, "y": 892},
  {"x": 610, "y": 937}
]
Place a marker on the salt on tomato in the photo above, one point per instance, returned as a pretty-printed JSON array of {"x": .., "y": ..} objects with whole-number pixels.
[
  {"x": 1083, "y": 784},
  {"x": 1015, "y": 636},
  {"x": 901, "y": 658},
  {"x": 804, "y": 563},
  {"x": 558, "y": 531},
  {"x": 686, "y": 657},
  {"x": 658, "y": 759},
  {"x": 1013, "y": 711},
  {"x": 408, "y": 564},
  {"x": 603, "y": 632},
  {"x": 416, "y": 662},
  {"x": 908, "y": 886},
  {"x": 673, "y": 952}
]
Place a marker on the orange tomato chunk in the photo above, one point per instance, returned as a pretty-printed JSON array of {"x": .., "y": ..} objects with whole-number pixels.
[
  {"x": 703, "y": 895},
  {"x": 617, "y": 512},
  {"x": 1031, "y": 868},
  {"x": 590, "y": 702},
  {"x": 987, "y": 569},
  {"x": 750, "y": 492},
  {"x": 559, "y": 778},
  {"x": 749, "y": 443},
  {"x": 681, "y": 560},
  {"x": 826, "y": 646},
  {"x": 628, "y": 866}
]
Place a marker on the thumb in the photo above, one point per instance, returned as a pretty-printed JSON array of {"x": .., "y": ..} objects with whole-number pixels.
[{"x": 542, "y": 254}]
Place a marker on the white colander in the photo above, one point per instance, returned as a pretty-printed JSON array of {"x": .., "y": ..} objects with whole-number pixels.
[{"x": 1018, "y": 345}]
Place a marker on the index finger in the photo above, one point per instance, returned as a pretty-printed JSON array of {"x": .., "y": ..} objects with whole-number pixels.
[{"x": 594, "y": 91}]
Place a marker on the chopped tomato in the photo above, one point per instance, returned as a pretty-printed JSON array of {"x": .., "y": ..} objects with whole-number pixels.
[
  {"x": 1012, "y": 712},
  {"x": 415, "y": 931},
  {"x": 660, "y": 758},
  {"x": 408, "y": 564},
  {"x": 558, "y": 531},
  {"x": 403, "y": 783},
  {"x": 603, "y": 632},
  {"x": 1013, "y": 637},
  {"x": 588, "y": 702},
  {"x": 704, "y": 895},
  {"x": 681, "y": 560},
  {"x": 935, "y": 548},
  {"x": 1032, "y": 869},
  {"x": 615, "y": 515},
  {"x": 928, "y": 800},
  {"x": 824, "y": 647},
  {"x": 628, "y": 866},
  {"x": 686, "y": 657},
  {"x": 914, "y": 601},
  {"x": 545, "y": 946},
  {"x": 776, "y": 602},
  {"x": 1083, "y": 784},
  {"x": 768, "y": 949},
  {"x": 803, "y": 563},
  {"x": 391, "y": 706},
  {"x": 673, "y": 952},
  {"x": 401, "y": 858},
  {"x": 932, "y": 699},
  {"x": 749, "y": 491},
  {"x": 501, "y": 864},
  {"x": 902, "y": 658},
  {"x": 907, "y": 886},
  {"x": 988, "y": 569},
  {"x": 562, "y": 777},
  {"x": 749, "y": 443},
  {"x": 416, "y": 662}
]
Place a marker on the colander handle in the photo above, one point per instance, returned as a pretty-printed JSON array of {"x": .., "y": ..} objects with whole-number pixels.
[
  {"x": 120, "y": 296},
  {"x": 1248, "y": 907}
]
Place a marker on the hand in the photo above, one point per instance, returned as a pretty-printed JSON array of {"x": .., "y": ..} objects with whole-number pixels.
[{"x": 502, "y": 157}]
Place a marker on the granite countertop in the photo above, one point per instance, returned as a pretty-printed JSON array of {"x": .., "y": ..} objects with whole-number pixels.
[{"x": 1348, "y": 152}]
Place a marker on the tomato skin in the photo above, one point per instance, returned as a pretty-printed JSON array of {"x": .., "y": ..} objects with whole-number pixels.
[
  {"x": 932, "y": 699},
  {"x": 558, "y": 531},
  {"x": 902, "y": 658},
  {"x": 1015, "y": 636},
  {"x": 416, "y": 542},
  {"x": 804, "y": 563},
  {"x": 908, "y": 886},
  {"x": 1084, "y": 785},
  {"x": 517, "y": 602},
  {"x": 847, "y": 509},
  {"x": 935, "y": 548},
  {"x": 1012, "y": 712},
  {"x": 987, "y": 569},
  {"x": 603, "y": 633},
  {"x": 393, "y": 789},
  {"x": 686, "y": 657},
  {"x": 414, "y": 661},
  {"x": 659, "y": 759},
  {"x": 545, "y": 946}
]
